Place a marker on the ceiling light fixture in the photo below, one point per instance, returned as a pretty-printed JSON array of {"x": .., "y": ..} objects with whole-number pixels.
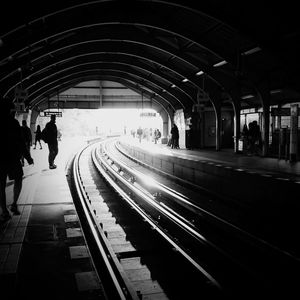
[
  {"x": 199, "y": 73},
  {"x": 221, "y": 63},
  {"x": 251, "y": 51},
  {"x": 247, "y": 96},
  {"x": 275, "y": 91}
]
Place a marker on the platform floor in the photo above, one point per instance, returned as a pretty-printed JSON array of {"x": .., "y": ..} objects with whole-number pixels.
[
  {"x": 265, "y": 165},
  {"x": 43, "y": 253}
]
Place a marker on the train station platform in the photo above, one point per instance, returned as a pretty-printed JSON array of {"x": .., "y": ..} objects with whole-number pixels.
[
  {"x": 259, "y": 194},
  {"x": 43, "y": 254},
  {"x": 262, "y": 165},
  {"x": 242, "y": 178}
]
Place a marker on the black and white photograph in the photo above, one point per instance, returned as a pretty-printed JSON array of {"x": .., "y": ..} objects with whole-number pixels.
[{"x": 150, "y": 150}]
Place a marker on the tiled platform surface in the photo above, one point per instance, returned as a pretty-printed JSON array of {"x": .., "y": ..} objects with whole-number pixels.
[{"x": 43, "y": 254}]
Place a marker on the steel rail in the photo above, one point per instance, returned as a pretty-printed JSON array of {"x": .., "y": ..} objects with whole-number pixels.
[
  {"x": 122, "y": 291},
  {"x": 271, "y": 253},
  {"x": 186, "y": 202},
  {"x": 108, "y": 166}
]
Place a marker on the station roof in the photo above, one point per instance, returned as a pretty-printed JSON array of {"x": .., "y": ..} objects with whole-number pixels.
[{"x": 176, "y": 52}]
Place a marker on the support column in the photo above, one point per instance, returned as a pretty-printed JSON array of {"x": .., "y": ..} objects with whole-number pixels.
[
  {"x": 218, "y": 126},
  {"x": 202, "y": 126},
  {"x": 264, "y": 94},
  {"x": 266, "y": 128},
  {"x": 294, "y": 133},
  {"x": 32, "y": 121},
  {"x": 237, "y": 124},
  {"x": 165, "y": 130}
]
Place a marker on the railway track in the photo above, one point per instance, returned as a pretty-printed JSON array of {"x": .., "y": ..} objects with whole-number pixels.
[{"x": 150, "y": 241}]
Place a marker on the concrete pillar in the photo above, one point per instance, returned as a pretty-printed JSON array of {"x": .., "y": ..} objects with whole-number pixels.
[
  {"x": 34, "y": 115},
  {"x": 264, "y": 94},
  {"x": 165, "y": 132},
  {"x": 166, "y": 128},
  {"x": 218, "y": 126},
  {"x": 294, "y": 133},
  {"x": 202, "y": 127},
  {"x": 266, "y": 129},
  {"x": 237, "y": 125}
]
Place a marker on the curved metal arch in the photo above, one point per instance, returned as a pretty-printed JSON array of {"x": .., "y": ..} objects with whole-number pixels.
[
  {"x": 128, "y": 45},
  {"x": 160, "y": 27},
  {"x": 138, "y": 14},
  {"x": 63, "y": 87},
  {"x": 141, "y": 59},
  {"x": 132, "y": 51},
  {"x": 138, "y": 37},
  {"x": 159, "y": 103},
  {"x": 121, "y": 72},
  {"x": 125, "y": 68},
  {"x": 80, "y": 75},
  {"x": 137, "y": 89},
  {"x": 178, "y": 91},
  {"x": 214, "y": 74},
  {"x": 192, "y": 81}
]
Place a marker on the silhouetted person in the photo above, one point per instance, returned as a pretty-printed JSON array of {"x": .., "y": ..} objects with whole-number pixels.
[
  {"x": 254, "y": 137},
  {"x": 139, "y": 132},
  {"x": 245, "y": 136},
  {"x": 174, "y": 137},
  {"x": 157, "y": 135},
  {"x": 38, "y": 137},
  {"x": 51, "y": 139},
  {"x": 10, "y": 157},
  {"x": 27, "y": 136}
]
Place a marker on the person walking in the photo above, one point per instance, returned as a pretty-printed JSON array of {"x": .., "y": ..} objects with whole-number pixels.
[
  {"x": 38, "y": 136},
  {"x": 49, "y": 134},
  {"x": 27, "y": 136},
  {"x": 10, "y": 158}
]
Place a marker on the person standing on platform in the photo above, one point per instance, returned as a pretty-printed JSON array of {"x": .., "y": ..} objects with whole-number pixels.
[
  {"x": 27, "y": 136},
  {"x": 245, "y": 137},
  {"x": 157, "y": 135},
  {"x": 49, "y": 135},
  {"x": 254, "y": 137},
  {"x": 38, "y": 135},
  {"x": 139, "y": 133},
  {"x": 175, "y": 137},
  {"x": 10, "y": 158}
]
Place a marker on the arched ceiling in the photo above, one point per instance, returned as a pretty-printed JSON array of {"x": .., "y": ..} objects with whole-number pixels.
[{"x": 239, "y": 49}]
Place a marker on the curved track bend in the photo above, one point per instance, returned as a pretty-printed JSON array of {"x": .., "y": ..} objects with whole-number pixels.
[{"x": 150, "y": 240}]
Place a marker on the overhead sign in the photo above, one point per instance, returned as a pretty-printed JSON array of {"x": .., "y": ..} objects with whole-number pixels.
[
  {"x": 147, "y": 114},
  {"x": 49, "y": 113},
  {"x": 20, "y": 107},
  {"x": 280, "y": 111}
]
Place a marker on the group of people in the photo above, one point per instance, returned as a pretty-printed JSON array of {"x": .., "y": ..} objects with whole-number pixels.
[
  {"x": 17, "y": 149},
  {"x": 174, "y": 139},
  {"x": 147, "y": 134},
  {"x": 252, "y": 138}
]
